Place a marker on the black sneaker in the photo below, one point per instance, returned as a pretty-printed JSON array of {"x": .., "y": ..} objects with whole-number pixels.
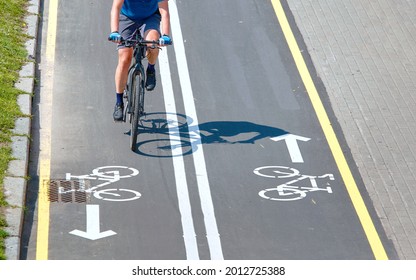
[
  {"x": 150, "y": 79},
  {"x": 118, "y": 112}
]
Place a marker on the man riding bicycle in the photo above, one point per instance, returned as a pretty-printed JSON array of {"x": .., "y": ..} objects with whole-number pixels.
[{"x": 127, "y": 16}]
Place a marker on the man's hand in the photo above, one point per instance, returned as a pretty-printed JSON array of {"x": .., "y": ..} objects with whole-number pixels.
[
  {"x": 115, "y": 37},
  {"x": 165, "y": 40}
]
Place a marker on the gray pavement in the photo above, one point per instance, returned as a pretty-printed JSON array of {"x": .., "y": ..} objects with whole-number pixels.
[{"x": 365, "y": 54}]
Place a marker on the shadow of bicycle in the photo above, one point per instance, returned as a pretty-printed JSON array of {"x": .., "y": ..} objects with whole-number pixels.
[{"x": 178, "y": 136}]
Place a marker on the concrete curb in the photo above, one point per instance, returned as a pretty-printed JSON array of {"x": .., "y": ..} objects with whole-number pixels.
[{"x": 16, "y": 182}]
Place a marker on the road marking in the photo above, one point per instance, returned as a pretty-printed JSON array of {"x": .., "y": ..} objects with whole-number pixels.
[
  {"x": 207, "y": 206},
  {"x": 290, "y": 191},
  {"x": 189, "y": 235},
  {"x": 356, "y": 198},
  {"x": 45, "y": 115},
  {"x": 92, "y": 231},
  {"x": 110, "y": 175},
  {"x": 291, "y": 141}
]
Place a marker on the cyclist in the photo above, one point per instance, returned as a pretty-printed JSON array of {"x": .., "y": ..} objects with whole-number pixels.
[{"x": 126, "y": 17}]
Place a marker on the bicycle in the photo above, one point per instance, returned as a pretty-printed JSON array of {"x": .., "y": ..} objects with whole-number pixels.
[
  {"x": 293, "y": 189},
  {"x": 135, "y": 87},
  {"x": 107, "y": 174}
]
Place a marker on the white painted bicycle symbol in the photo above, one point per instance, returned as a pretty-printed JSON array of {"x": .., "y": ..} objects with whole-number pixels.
[
  {"x": 294, "y": 189},
  {"x": 109, "y": 175}
]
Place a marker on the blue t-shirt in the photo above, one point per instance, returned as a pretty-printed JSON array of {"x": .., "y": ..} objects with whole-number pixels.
[{"x": 139, "y": 9}]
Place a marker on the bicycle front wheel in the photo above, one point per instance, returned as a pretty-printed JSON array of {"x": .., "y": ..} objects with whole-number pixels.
[{"x": 137, "y": 108}]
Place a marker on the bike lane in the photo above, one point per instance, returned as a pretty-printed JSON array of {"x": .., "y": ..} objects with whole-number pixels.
[
  {"x": 252, "y": 112},
  {"x": 255, "y": 111},
  {"x": 135, "y": 216}
]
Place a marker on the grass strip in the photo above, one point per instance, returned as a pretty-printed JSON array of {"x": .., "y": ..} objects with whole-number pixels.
[{"x": 13, "y": 56}]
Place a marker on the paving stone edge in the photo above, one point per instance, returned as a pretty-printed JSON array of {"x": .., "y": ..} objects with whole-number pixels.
[{"x": 15, "y": 182}]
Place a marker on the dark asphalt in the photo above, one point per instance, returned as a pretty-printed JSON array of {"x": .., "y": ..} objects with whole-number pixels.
[{"x": 246, "y": 91}]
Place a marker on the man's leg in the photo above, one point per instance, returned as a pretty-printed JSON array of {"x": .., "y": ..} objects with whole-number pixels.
[
  {"x": 152, "y": 54},
  {"x": 124, "y": 59}
]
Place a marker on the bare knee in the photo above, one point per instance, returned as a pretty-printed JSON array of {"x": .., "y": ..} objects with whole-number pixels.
[
  {"x": 124, "y": 57},
  {"x": 152, "y": 53},
  {"x": 151, "y": 35}
]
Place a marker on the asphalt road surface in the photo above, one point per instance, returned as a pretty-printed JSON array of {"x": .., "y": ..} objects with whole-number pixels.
[{"x": 233, "y": 159}]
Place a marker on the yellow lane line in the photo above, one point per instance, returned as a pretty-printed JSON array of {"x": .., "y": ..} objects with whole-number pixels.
[
  {"x": 45, "y": 136},
  {"x": 357, "y": 200}
]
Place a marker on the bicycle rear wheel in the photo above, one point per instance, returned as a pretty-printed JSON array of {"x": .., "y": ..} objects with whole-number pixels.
[{"x": 137, "y": 108}]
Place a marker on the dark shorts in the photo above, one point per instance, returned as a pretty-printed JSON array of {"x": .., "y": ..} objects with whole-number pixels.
[{"x": 128, "y": 27}]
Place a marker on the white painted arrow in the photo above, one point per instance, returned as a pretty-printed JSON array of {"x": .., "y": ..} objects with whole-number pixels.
[
  {"x": 292, "y": 145},
  {"x": 93, "y": 225}
]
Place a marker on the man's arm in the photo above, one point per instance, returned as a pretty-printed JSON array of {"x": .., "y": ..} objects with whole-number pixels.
[
  {"x": 164, "y": 12},
  {"x": 115, "y": 14}
]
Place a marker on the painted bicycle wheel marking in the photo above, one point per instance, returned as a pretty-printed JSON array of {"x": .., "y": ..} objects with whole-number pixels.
[
  {"x": 296, "y": 188},
  {"x": 109, "y": 175}
]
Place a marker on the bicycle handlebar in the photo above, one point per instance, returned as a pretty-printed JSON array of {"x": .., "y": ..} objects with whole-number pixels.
[{"x": 133, "y": 42}]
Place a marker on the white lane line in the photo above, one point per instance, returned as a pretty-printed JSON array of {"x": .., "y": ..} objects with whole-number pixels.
[
  {"x": 207, "y": 206},
  {"x": 189, "y": 234}
]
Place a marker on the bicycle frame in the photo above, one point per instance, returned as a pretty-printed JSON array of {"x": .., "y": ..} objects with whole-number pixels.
[
  {"x": 135, "y": 87},
  {"x": 136, "y": 66}
]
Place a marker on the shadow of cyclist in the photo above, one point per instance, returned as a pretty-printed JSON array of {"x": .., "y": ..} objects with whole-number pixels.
[
  {"x": 184, "y": 138},
  {"x": 235, "y": 132}
]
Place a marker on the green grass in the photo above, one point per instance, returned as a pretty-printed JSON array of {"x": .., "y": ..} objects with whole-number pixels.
[{"x": 12, "y": 57}]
